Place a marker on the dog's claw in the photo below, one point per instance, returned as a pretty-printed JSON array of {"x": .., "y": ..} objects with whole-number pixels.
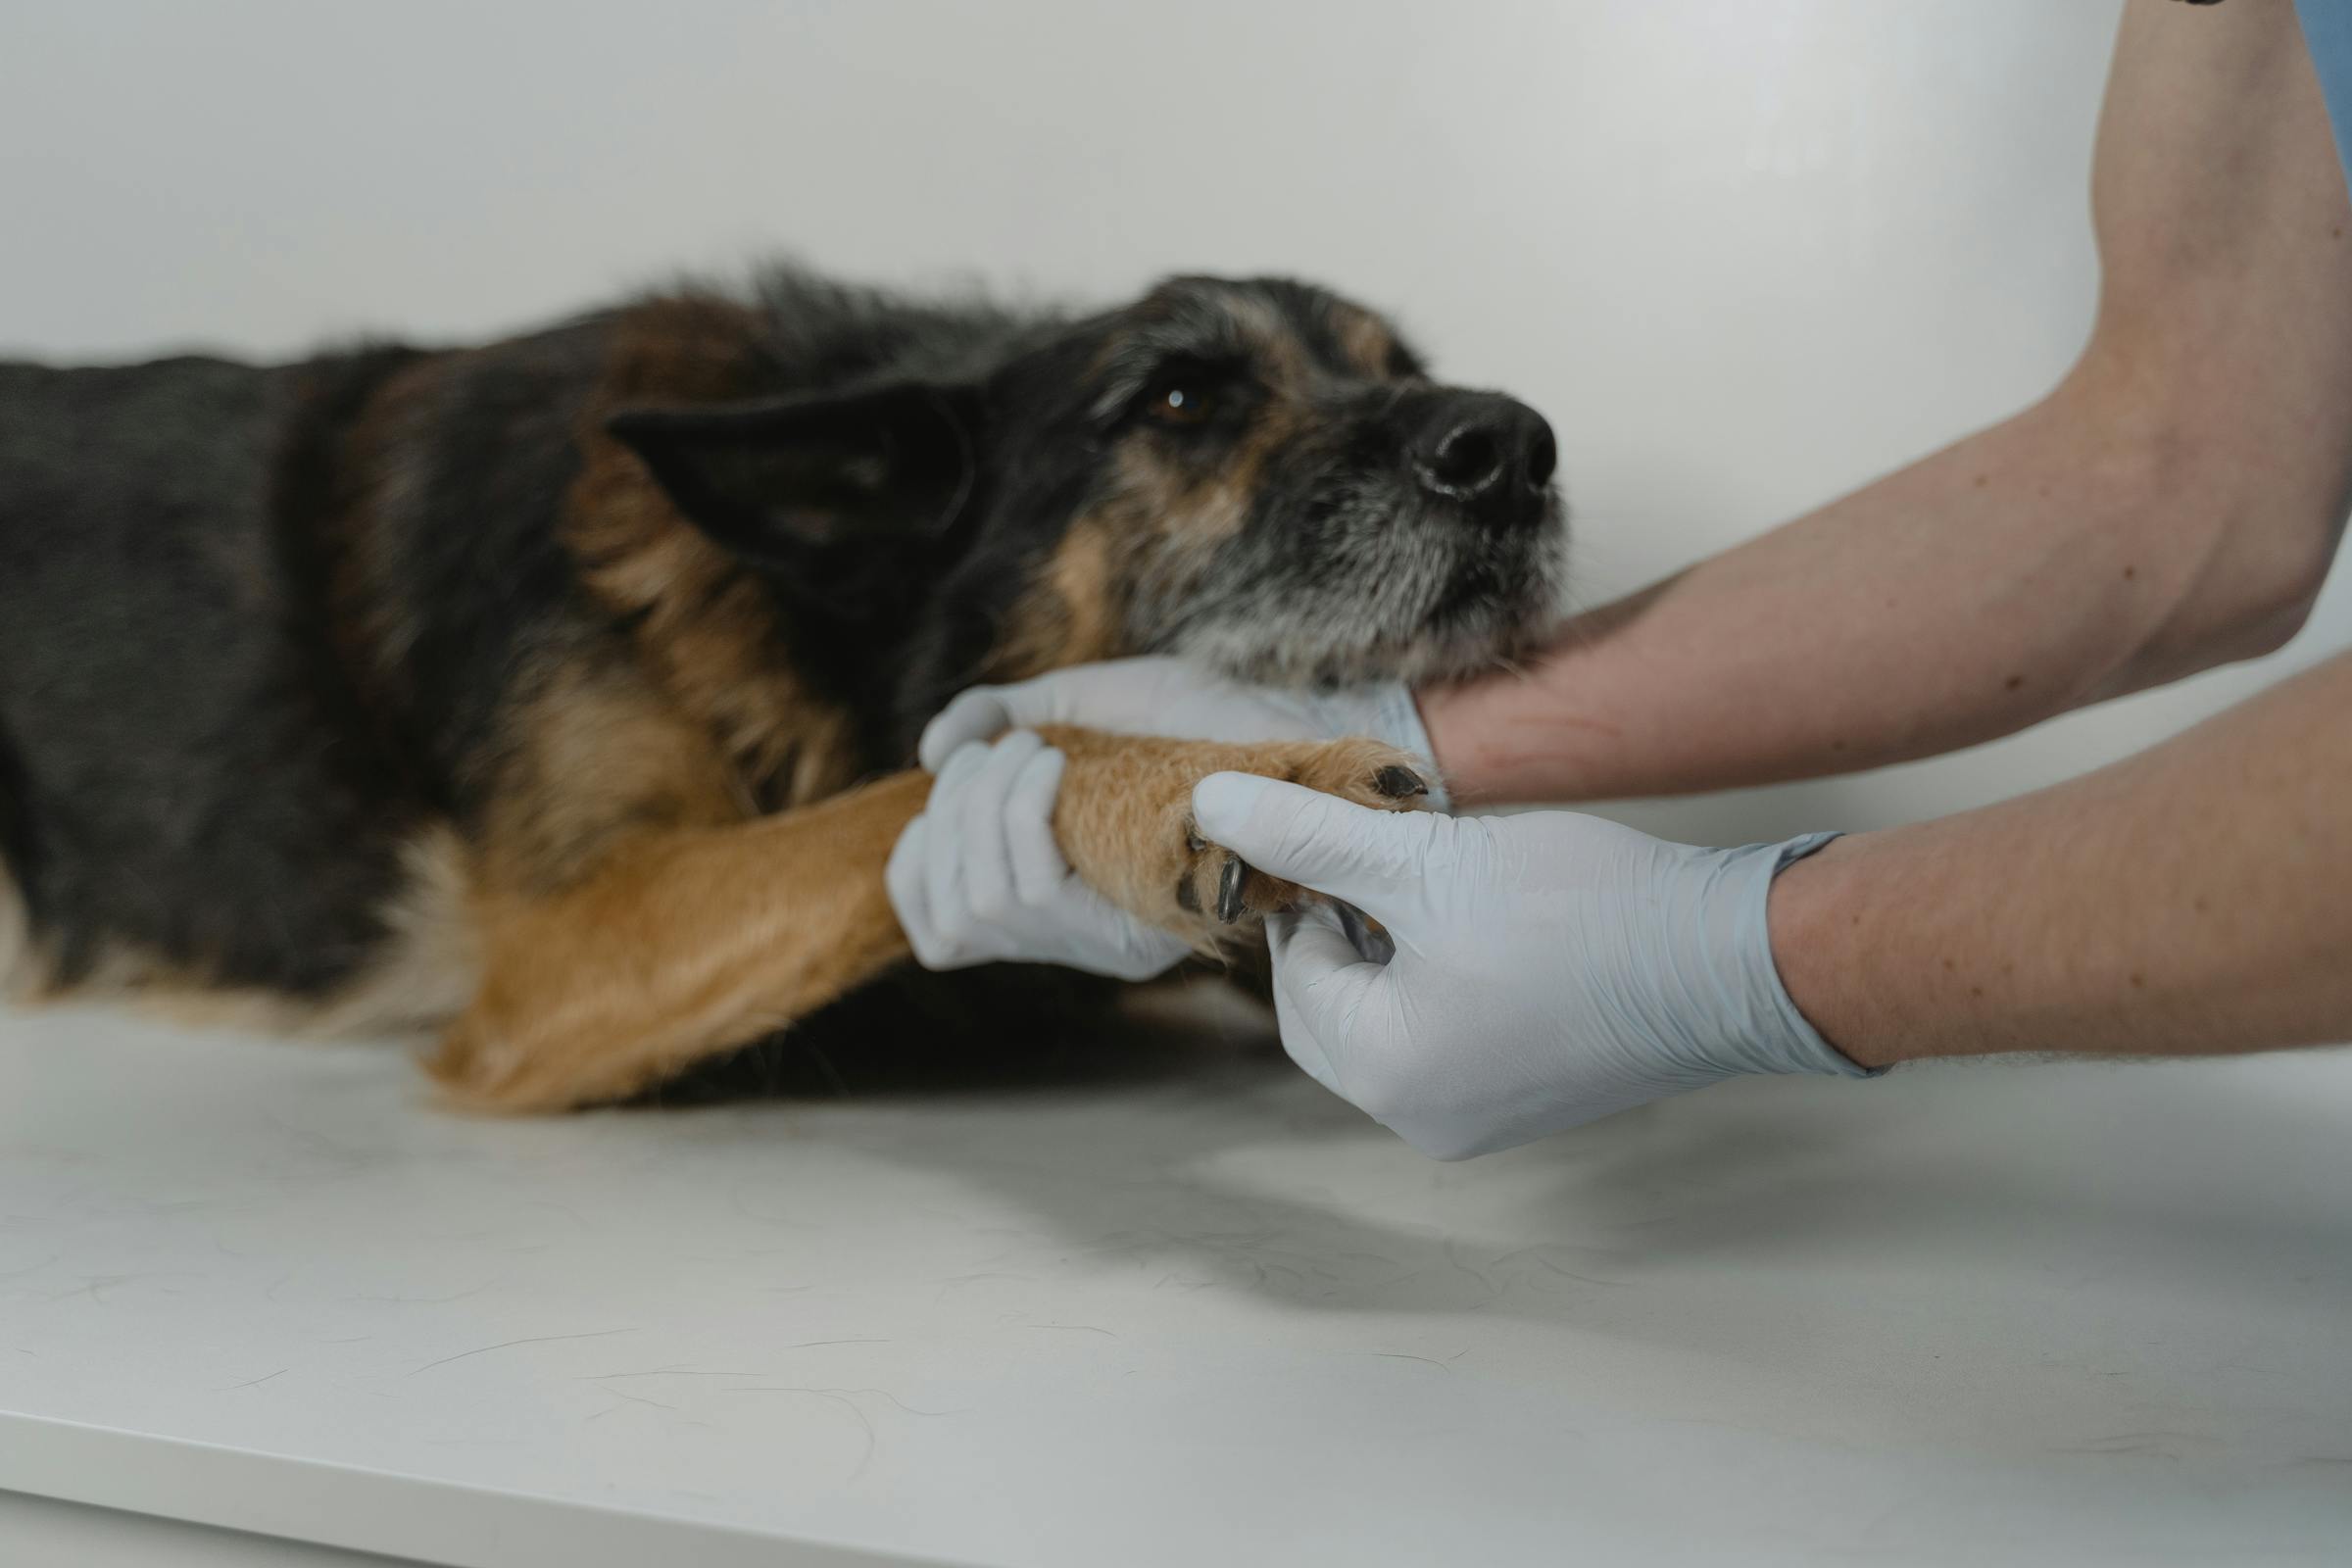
[
  {"x": 1367, "y": 938},
  {"x": 1193, "y": 839},
  {"x": 1232, "y": 882},
  {"x": 1400, "y": 783}
]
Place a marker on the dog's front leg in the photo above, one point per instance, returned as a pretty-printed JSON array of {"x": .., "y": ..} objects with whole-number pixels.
[
  {"x": 678, "y": 945},
  {"x": 685, "y": 943}
]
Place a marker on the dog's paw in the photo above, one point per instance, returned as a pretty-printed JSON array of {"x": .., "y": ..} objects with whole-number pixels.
[
  {"x": 1125, "y": 820},
  {"x": 1219, "y": 884}
]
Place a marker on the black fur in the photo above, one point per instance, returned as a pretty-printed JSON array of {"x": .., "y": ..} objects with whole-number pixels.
[{"x": 181, "y": 772}]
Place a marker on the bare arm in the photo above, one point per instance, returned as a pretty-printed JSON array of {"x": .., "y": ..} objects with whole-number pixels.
[
  {"x": 2195, "y": 898},
  {"x": 2172, "y": 506}
]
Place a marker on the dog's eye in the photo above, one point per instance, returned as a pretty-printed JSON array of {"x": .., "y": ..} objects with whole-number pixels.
[
  {"x": 1181, "y": 401},
  {"x": 1187, "y": 392}
]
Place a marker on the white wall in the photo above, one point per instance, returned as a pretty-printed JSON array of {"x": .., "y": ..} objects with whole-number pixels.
[{"x": 1745, "y": 253}]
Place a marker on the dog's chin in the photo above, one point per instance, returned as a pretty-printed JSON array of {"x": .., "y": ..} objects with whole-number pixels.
[
  {"x": 1320, "y": 642},
  {"x": 1410, "y": 594},
  {"x": 1412, "y": 657}
]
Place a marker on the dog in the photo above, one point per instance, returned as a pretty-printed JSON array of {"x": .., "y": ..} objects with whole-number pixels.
[{"x": 559, "y": 696}]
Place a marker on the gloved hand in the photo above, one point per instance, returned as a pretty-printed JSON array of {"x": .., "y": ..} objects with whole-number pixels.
[
  {"x": 978, "y": 879},
  {"x": 1174, "y": 697},
  {"x": 1550, "y": 968}
]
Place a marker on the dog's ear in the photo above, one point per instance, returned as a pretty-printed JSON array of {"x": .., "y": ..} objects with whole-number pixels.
[{"x": 775, "y": 480}]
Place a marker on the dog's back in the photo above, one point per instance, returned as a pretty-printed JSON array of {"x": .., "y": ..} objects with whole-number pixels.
[
  {"x": 177, "y": 776},
  {"x": 276, "y": 640},
  {"x": 272, "y": 637}
]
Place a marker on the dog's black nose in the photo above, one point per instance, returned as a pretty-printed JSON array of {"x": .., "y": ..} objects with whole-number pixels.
[{"x": 1491, "y": 453}]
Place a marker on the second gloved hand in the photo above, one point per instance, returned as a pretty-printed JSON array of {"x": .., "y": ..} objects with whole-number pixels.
[
  {"x": 978, "y": 879},
  {"x": 1550, "y": 968}
]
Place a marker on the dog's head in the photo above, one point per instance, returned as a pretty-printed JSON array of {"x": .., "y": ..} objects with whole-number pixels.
[{"x": 1260, "y": 474}]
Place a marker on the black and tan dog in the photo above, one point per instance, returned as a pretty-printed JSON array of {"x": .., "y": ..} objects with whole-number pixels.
[{"x": 559, "y": 693}]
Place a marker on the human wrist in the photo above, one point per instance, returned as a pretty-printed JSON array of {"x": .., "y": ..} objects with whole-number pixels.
[
  {"x": 1766, "y": 1032},
  {"x": 1454, "y": 745},
  {"x": 1791, "y": 1032},
  {"x": 1812, "y": 916},
  {"x": 1509, "y": 738}
]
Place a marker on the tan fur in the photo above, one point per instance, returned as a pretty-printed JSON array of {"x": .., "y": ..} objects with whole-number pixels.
[
  {"x": 21, "y": 967},
  {"x": 681, "y": 942},
  {"x": 1365, "y": 339},
  {"x": 1158, "y": 521},
  {"x": 598, "y": 753},
  {"x": 433, "y": 962},
  {"x": 1124, "y": 816},
  {"x": 1154, "y": 533},
  {"x": 1278, "y": 353},
  {"x": 1169, "y": 526},
  {"x": 704, "y": 629},
  {"x": 1070, "y": 614},
  {"x": 374, "y": 638}
]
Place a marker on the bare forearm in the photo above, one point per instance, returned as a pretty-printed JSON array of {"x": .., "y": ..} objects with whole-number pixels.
[
  {"x": 2173, "y": 505},
  {"x": 2195, "y": 899},
  {"x": 2009, "y": 577}
]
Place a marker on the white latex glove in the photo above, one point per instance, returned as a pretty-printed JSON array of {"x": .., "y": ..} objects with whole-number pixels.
[
  {"x": 1173, "y": 697},
  {"x": 1550, "y": 968},
  {"x": 978, "y": 879}
]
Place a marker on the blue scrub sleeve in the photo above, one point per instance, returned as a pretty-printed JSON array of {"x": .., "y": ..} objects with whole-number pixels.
[{"x": 2327, "y": 32}]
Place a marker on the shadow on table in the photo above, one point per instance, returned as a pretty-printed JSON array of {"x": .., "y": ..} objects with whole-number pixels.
[
  {"x": 1240, "y": 1174},
  {"x": 1181, "y": 1141},
  {"x": 995, "y": 1030}
]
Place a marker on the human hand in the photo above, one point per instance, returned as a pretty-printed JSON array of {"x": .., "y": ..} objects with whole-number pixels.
[
  {"x": 1549, "y": 968},
  {"x": 978, "y": 879}
]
